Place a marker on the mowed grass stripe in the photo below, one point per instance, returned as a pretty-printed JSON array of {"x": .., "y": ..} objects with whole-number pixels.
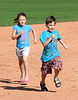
[{"x": 37, "y": 11}]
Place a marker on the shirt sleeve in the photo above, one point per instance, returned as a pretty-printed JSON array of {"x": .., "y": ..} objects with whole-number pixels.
[
  {"x": 43, "y": 37},
  {"x": 14, "y": 27},
  {"x": 30, "y": 27},
  {"x": 59, "y": 36}
]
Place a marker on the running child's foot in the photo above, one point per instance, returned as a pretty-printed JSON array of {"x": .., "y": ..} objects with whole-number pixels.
[
  {"x": 57, "y": 82},
  {"x": 26, "y": 79},
  {"x": 43, "y": 87},
  {"x": 22, "y": 79}
]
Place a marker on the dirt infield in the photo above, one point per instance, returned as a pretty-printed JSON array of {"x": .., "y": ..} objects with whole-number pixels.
[{"x": 10, "y": 87}]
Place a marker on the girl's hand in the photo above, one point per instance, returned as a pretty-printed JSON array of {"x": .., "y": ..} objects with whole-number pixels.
[
  {"x": 35, "y": 42},
  {"x": 21, "y": 32},
  {"x": 66, "y": 47}
]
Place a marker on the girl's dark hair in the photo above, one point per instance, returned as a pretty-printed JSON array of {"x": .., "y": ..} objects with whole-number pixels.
[
  {"x": 20, "y": 14},
  {"x": 50, "y": 19}
]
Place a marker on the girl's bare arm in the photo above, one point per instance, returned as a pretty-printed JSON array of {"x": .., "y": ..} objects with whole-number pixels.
[
  {"x": 34, "y": 35},
  {"x": 14, "y": 35}
]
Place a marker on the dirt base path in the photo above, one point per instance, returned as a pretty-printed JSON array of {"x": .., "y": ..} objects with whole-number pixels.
[{"x": 10, "y": 87}]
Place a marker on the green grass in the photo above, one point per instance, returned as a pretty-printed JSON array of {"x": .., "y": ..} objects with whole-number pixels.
[{"x": 38, "y": 10}]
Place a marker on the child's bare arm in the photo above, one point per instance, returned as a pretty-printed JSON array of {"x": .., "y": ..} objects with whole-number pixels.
[
  {"x": 34, "y": 35},
  {"x": 15, "y": 36},
  {"x": 49, "y": 40},
  {"x": 63, "y": 44}
]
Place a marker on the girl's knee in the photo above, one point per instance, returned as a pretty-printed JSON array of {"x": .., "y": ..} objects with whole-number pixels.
[{"x": 25, "y": 59}]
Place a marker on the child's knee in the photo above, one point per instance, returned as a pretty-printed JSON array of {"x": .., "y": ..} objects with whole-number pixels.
[{"x": 25, "y": 59}]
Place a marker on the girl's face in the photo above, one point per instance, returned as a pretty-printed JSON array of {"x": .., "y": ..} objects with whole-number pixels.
[
  {"x": 51, "y": 26},
  {"x": 22, "y": 20}
]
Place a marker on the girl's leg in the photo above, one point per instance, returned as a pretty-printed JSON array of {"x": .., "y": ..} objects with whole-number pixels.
[
  {"x": 21, "y": 69},
  {"x": 25, "y": 62}
]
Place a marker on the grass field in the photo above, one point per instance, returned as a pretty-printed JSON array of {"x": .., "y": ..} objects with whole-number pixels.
[{"x": 38, "y": 10}]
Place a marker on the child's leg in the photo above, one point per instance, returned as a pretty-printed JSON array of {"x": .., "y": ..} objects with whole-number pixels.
[
  {"x": 45, "y": 69},
  {"x": 43, "y": 78},
  {"x": 21, "y": 69},
  {"x": 25, "y": 62},
  {"x": 42, "y": 83},
  {"x": 56, "y": 79},
  {"x": 57, "y": 65},
  {"x": 56, "y": 73}
]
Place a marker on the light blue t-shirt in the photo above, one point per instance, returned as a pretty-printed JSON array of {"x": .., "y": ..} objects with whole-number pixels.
[
  {"x": 50, "y": 51},
  {"x": 23, "y": 40}
]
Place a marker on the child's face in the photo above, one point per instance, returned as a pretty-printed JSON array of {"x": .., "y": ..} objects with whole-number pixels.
[
  {"x": 51, "y": 26},
  {"x": 22, "y": 20}
]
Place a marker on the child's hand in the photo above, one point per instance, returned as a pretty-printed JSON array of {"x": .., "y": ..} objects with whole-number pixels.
[
  {"x": 53, "y": 36},
  {"x": 21, "y": 32},
  {"x": 66, "y": 47},
  {"x": 35, "y": 41}
]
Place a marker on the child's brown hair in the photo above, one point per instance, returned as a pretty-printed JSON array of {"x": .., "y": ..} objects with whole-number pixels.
[
  {"x": 50, "y": 19},
  {"x": 20, "y": 14}
]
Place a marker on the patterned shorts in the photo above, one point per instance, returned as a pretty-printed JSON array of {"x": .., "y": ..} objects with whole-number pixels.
[{"x": 55, "y": 63}]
